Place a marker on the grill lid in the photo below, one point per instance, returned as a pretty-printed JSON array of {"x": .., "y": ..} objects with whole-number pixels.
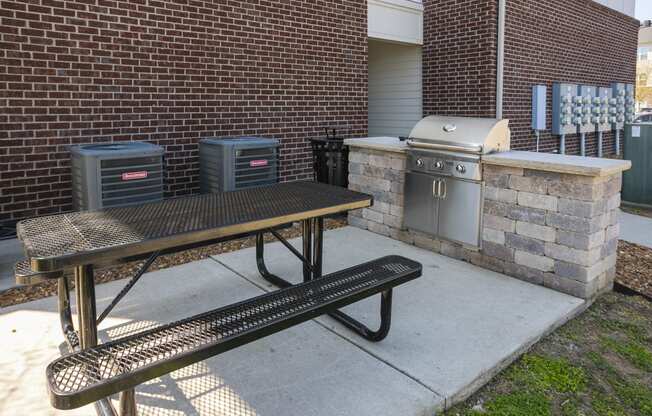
[{"x": 461, "y": 134}]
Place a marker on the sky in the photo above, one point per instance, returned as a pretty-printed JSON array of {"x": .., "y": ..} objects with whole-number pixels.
[{"x": 644, "y": 9}]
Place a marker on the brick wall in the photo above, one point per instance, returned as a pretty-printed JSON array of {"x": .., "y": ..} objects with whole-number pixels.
[
  {"x": 459, "y": 57},
  {"x": 578, "y": 41},
  {"x": 546, "y": 41},
  {"x": 170, "y": 72}
]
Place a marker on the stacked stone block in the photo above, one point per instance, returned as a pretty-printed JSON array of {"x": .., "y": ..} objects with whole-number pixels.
[
  {"x": 559, "y": 230},
  {"x": 382, "y": 175},
  {"x": 556, "y": 230}
]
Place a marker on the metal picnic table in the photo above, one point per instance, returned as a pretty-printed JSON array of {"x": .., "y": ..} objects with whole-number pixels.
[{"x": 79, "y": 241}]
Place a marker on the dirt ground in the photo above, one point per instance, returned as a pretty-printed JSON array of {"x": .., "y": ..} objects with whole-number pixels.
[
  {"x": 634, "y": 267},
  {"x": 598, "y": 364}
]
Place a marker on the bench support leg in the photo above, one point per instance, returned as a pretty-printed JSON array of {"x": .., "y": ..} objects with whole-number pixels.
[
  {"x": 363, "y": 330},
  {"x": 65, "y": 314},
  {"x": 313, "y": 248},
  {"x": 262, "y": 268}
]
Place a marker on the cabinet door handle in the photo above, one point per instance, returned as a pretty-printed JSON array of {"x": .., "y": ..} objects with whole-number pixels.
[
  {"x": 435, "y": 188},
  {"x": 443, "y": 189}
]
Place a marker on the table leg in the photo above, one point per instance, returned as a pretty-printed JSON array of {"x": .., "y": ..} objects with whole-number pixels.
[
  {"x": 318, "y": 247},
  {"x": 87, "y": 312},
  {"x": 306, "y": 228},
  {"x": 313, "y": 251}
]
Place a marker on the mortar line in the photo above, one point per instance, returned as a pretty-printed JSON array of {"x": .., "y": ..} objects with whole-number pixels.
[{"x": 360, "y": 347}]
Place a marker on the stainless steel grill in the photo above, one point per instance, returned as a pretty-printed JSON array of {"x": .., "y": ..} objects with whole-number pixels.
[
  {"x": 55, "y": 242},
  {"x": 443, "y": 189}
]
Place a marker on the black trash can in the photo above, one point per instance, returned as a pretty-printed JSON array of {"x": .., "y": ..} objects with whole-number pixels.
[{"x": 330, "y": 157}]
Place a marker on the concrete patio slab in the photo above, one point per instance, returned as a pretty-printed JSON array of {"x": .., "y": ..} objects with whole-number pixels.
[
  {"x": 306, "y": 370},
  {"x": 636, "y": 229},
  {"x": 452, "y": 329}
]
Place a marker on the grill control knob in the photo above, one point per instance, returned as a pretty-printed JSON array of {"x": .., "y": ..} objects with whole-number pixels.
[
  {"x": 460, "y": 168},
  {"x": 420, "y": 163},
  {"x": 439, "y": 165}
]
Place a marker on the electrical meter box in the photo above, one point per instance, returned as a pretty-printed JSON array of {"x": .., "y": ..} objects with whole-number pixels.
[
  {"x": 565, "y": 107},
  {"x": 617, "y": 106},
  {"x": 605, "y": 120},
  {"x": 587, "y": 116},
  {"x": 539, "y": 105},
  {"x": 630, "y": 107}
]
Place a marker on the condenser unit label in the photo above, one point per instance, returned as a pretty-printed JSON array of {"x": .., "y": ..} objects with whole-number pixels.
[
  {"x": 130, "y": 176},
  {"x": 258, "y": 163}
]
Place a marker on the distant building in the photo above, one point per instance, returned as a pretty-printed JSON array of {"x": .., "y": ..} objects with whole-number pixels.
[{"x": 644, "y": 67}]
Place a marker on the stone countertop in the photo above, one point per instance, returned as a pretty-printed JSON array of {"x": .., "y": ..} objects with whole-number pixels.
[
  {"x": 552, "y": 162},
  {"x": 387, "y": 144}
]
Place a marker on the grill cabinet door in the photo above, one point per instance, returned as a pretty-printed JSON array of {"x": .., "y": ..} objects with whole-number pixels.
[
  {"x": 420, "y": 203},
  {"x": 459, "y": 211}
]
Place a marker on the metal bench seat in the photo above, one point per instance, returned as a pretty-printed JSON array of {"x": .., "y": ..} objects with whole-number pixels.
[{"x": 92, "y": 374}]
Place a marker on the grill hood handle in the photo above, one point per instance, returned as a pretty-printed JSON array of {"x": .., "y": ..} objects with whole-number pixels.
[{"x": 441, "y": 146}]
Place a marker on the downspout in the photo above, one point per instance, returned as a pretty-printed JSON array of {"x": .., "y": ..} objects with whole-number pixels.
[{"x": 500, "y": 72}]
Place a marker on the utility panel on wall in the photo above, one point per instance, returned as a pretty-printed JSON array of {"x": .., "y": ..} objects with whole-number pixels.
[
  {"x": 587, "y": 94},
  {"x": 539, "y": 105},
  {"x": 566, "y": 109},
  {"x": 618, "y": 105},
  {"x": 630, "y": 103},
  {"x": 605, "y": 119}
]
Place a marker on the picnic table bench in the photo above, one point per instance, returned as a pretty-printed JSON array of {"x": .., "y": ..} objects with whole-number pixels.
[{"x": 73, "y": 244}]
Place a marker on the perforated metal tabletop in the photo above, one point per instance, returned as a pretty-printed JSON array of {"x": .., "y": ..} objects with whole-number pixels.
[{"x": 66, "y": 240}]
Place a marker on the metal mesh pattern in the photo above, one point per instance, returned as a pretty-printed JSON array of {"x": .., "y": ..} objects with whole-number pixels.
[
  {"x": 80, "y": 232},
  {"x": 22, "y": 268},
  {"x": 154, "y": 352},
  {"x": 25, "y": 276}
]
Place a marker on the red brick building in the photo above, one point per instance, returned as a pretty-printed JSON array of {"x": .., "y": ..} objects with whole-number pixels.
[
  {"x": 580, "y": 42},
  {"x": 173, "y": 71}
]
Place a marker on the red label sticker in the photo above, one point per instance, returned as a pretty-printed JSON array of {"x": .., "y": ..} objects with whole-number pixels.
[
  {"x": 258, "y": 163},
  {"x": 130, "y": 176}
]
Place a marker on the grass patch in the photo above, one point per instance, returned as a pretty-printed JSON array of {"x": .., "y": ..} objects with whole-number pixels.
[
  {"x": 632, "y": 351},
  {"x": 599, "y": 364},
  {"x": 545, "y": 374},
  {"x": 518, "y": 404},
  {"x": 634, "y": 330},
  {"x": 605, "y": 406},
  {"x": 636, "y": 396}
]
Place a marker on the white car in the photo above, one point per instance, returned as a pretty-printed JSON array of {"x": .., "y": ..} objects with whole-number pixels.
[{"x": 644, "y": 117}]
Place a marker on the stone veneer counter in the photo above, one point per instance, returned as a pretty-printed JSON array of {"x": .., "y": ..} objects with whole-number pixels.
[
  {"x": 550, "y": 162},
  {"x": 387, "y": 144},
  {"x": 547, "y": 219}
]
